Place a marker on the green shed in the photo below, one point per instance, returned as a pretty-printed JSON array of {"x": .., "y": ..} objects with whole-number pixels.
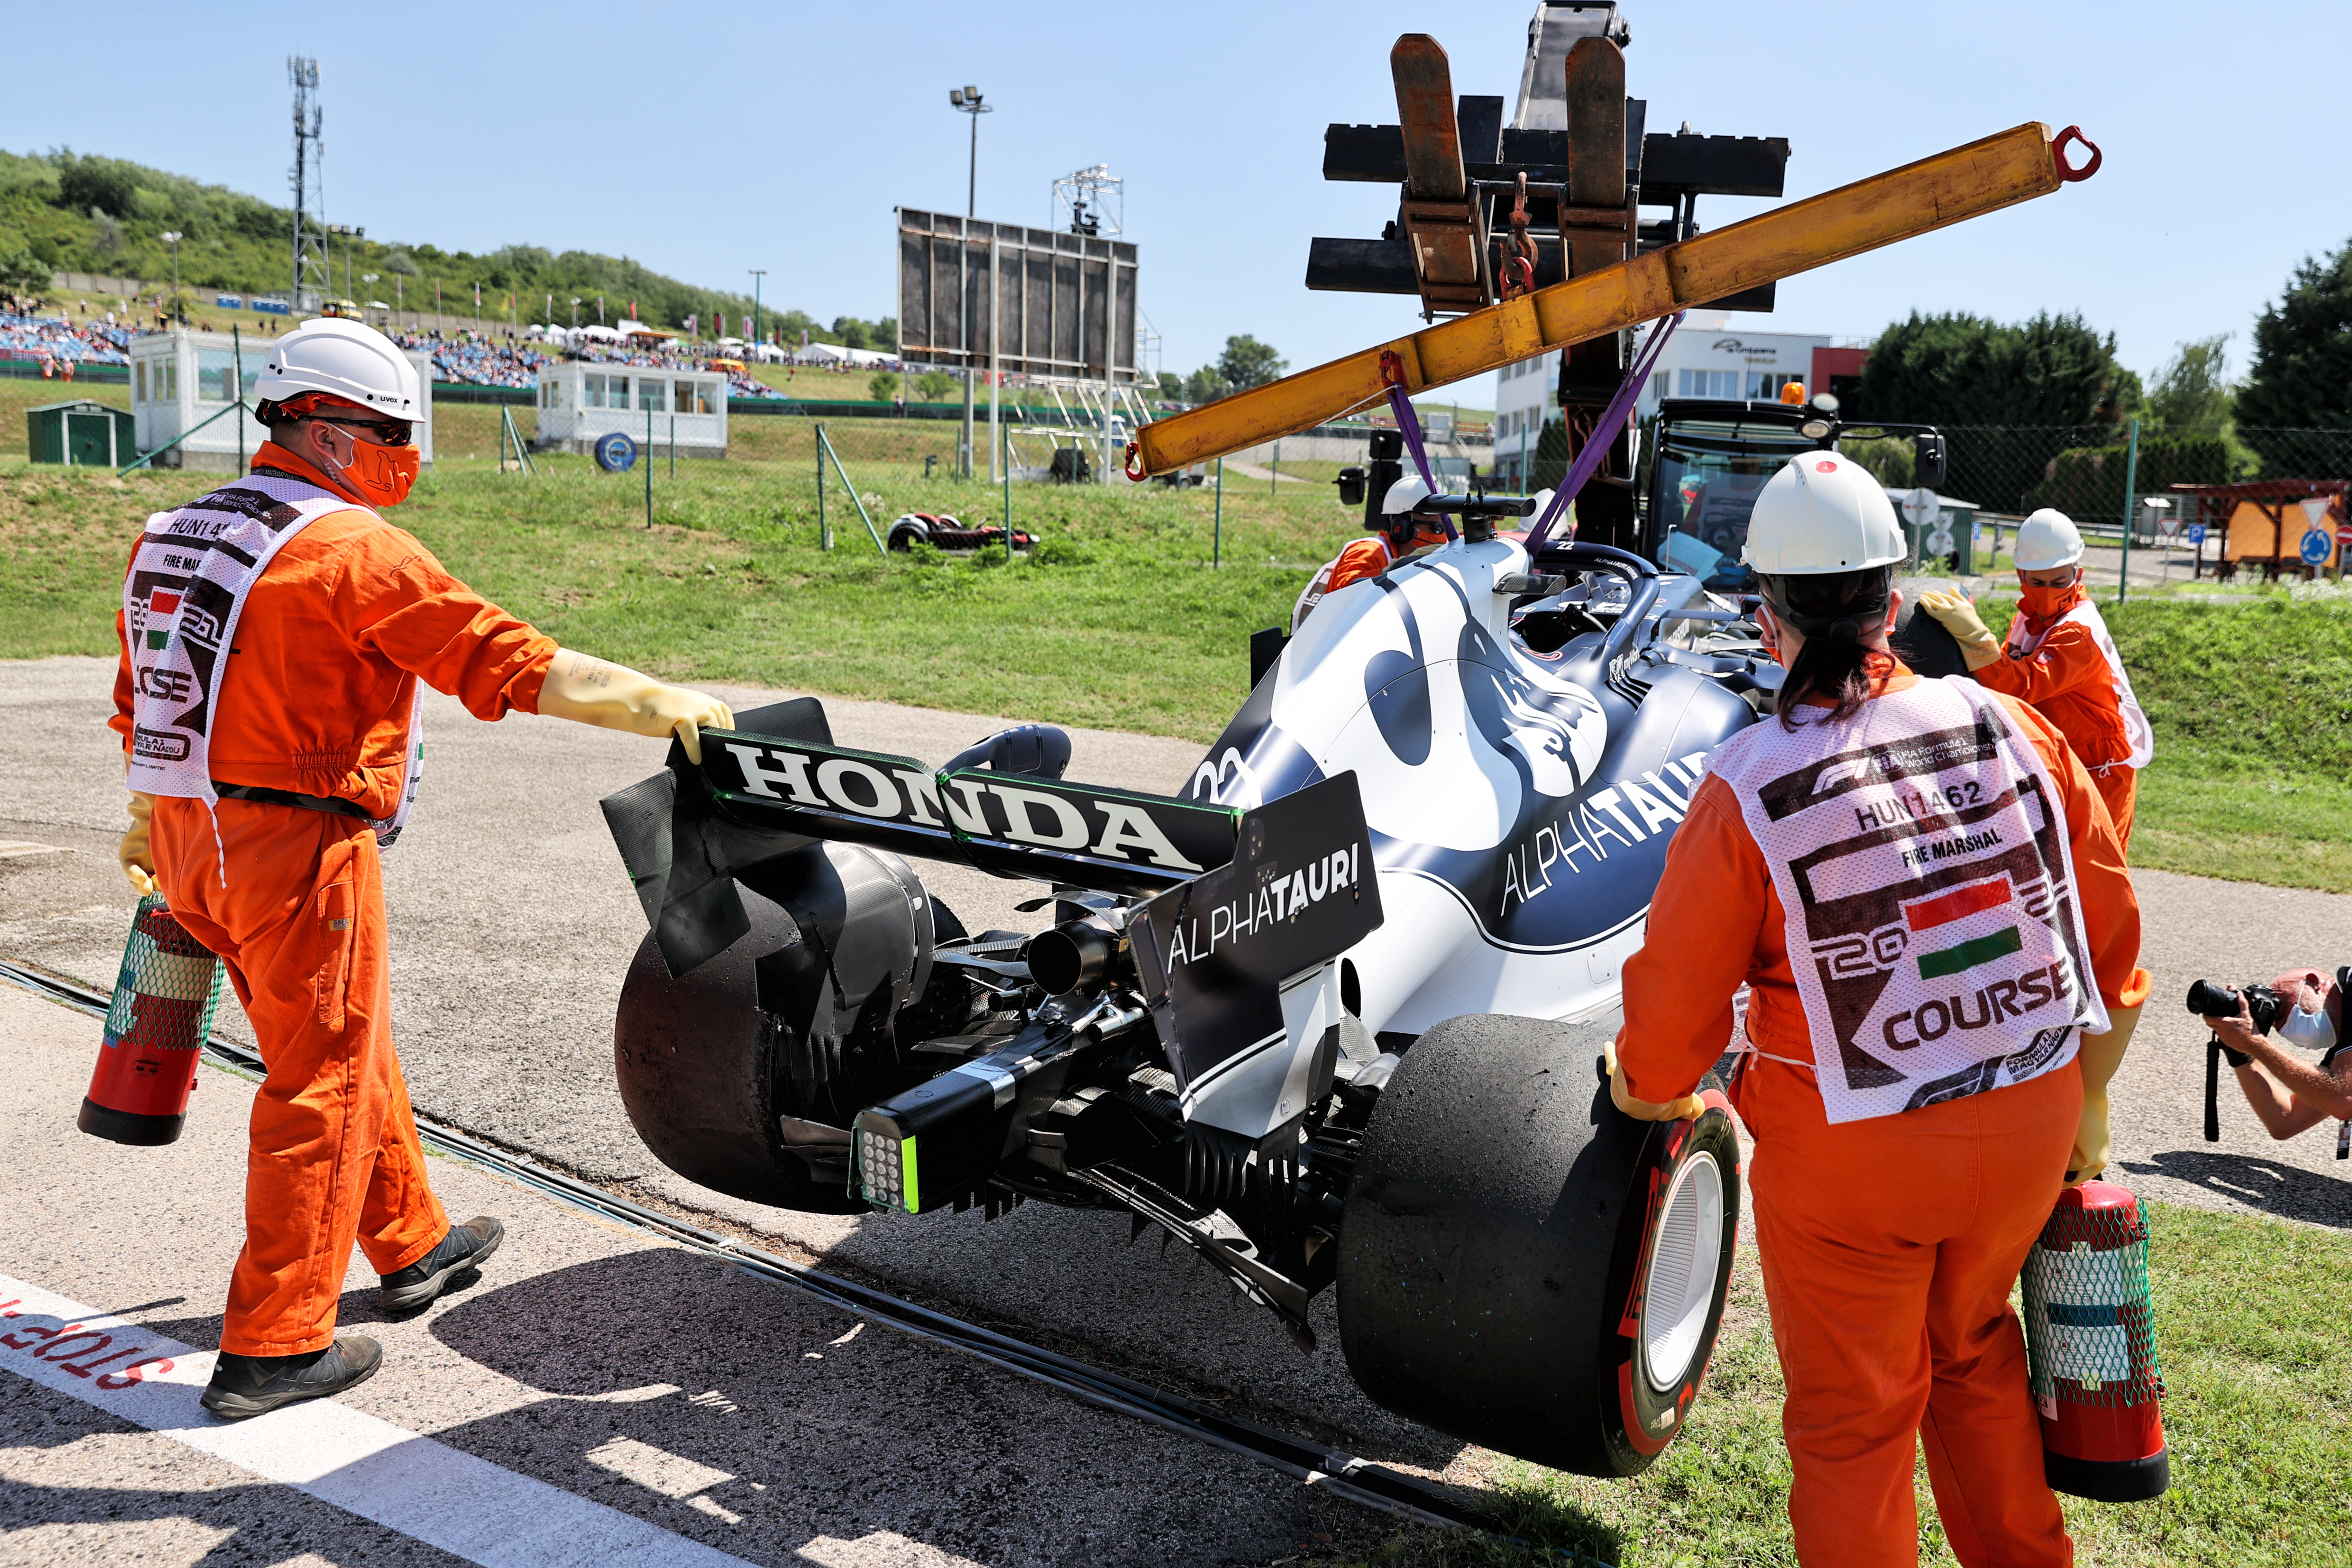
[{"x": 87, "y": 433}]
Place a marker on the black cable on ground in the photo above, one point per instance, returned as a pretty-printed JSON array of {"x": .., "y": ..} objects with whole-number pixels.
[{"x": 1373, "y": 1486}]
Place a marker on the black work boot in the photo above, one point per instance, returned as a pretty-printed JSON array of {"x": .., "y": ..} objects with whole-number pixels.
[
  {"x": 466, "y": 1246},
  {"x": 245, "y": 1386}
]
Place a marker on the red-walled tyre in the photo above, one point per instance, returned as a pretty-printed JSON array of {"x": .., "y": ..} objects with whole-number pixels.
[{"x": 1522, "y": 1266}]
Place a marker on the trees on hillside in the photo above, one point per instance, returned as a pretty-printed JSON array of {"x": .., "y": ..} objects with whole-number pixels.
[{"x": 2302, "y": 373}]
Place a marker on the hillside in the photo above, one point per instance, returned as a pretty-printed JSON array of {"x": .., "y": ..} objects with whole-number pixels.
[{"x": 65, "y": 212}]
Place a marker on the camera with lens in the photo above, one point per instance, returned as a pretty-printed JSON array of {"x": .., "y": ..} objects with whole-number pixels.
[{"x": 2208, "y": 1000}]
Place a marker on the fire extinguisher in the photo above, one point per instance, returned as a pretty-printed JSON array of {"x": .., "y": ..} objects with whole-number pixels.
[
  {"x": 2091, "y": 1344},
  {"x": 156, "y": 1030}
]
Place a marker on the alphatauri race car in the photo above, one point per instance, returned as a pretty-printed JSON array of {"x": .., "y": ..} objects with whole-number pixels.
[{"x": 1334, "y": 1015}]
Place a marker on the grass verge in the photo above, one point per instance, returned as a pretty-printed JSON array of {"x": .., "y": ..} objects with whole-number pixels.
[
  {"x": 2258, "y": 1413},
  {"x": 1119, "y": 620}
]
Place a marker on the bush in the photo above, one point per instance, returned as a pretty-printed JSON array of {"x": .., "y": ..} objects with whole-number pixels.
[
  {"x": 935, "y": 385},
  {"x": 883, "y": 387}
]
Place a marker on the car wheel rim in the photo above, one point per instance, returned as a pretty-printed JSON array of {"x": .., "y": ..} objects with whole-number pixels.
[{"x": 1686, "y": 1256}]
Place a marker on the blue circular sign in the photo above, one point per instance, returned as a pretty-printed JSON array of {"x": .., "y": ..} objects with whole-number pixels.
[
  {"x": 2318, "y": 547},
  {"x": 616, "y": 454}
]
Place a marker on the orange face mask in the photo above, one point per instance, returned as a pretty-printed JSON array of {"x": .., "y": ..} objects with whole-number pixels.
[
  {"x": 2048, "y": 604},
  {"x": 380, "y": 476}
]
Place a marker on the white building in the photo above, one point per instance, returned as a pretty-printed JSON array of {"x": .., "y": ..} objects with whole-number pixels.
[
  {"x": 1705, "y": 358},
  {"x": 180, "y": 379},
  {"x": 580, "y": 403}
]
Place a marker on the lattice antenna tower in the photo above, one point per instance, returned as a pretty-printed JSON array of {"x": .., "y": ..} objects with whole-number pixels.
[
  {"x": 1092, "y": 201},
  {"x": 311, "y": 279}
]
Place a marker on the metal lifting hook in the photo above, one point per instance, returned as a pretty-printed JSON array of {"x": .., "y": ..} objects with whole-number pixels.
[
  {"x": 1518, "y": 270},
  {"x": 2069, "y": 172}
]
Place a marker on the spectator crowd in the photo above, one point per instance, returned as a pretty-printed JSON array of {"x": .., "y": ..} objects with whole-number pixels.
[{"x": 58, "y": 344}]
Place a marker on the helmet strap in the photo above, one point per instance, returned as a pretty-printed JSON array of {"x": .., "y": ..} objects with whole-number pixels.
[{"x": 1851, "y": 623}]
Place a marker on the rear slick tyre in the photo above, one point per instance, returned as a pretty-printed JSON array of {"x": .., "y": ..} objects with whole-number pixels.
[{"x": 1524, "y": 1267}]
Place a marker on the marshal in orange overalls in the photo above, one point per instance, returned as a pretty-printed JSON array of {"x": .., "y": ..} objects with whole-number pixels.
[
  {"x": 1889, "y": 1245},
  {"x": 2067, "y": 681},
  {"x": 349, "y": 615}
]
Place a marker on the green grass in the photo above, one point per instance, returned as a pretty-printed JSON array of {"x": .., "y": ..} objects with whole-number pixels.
[
  {"x": 1120, "y": 621},
  {"x": 2253, "y": 708},
  {"x": 2258, "y": 1413}
]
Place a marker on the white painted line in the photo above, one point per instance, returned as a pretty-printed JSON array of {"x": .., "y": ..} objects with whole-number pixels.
[
  {"x": 17, "y": 849},
  {"x": 387, "y": 1474}
]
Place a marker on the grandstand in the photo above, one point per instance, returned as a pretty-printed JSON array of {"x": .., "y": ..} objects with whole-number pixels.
[{"x": 57, "y": 343}]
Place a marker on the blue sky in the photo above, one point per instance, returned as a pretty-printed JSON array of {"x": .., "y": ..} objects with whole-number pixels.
[{"x": 706, "y": 140}]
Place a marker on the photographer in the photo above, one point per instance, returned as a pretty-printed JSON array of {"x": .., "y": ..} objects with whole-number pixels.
[{"x": 2289, "y": 1095}]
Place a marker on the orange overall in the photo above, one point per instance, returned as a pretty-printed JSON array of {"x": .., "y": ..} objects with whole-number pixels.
[
  {"x": 350, "y": 614},
  {"x": 1889, "y": 1245},
  {"x": 2067, "y": 681}
]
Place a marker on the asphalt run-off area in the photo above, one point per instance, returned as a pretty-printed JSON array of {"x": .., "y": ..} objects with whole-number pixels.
[{"x": 601, "y": 1395}]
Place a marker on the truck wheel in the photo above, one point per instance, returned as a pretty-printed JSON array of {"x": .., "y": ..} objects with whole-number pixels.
[{"x": 1522, "y": 1266}]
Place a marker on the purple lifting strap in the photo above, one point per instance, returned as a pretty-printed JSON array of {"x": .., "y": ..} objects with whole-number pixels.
[
  {"x": 1409, "y": 421},
  {"x": 1588, "y": 461}
]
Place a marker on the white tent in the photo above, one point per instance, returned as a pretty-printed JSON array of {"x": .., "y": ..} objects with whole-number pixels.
[
  {"x": 601, "y": 334},
  {"x": 834, "y": 354}
]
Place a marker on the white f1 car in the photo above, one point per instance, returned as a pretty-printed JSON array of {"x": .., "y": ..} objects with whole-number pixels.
[{"x": 1334, "y": 1016}]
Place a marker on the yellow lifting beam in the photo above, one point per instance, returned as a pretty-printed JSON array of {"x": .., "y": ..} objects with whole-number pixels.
[{"x": 1965, "y": 182}]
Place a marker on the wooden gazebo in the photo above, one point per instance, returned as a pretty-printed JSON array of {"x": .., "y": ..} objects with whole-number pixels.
[{"x": 2263, "y": 521}]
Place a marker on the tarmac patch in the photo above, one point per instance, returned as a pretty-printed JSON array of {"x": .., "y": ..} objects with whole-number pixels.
[{"x": 387, "y": 1474}]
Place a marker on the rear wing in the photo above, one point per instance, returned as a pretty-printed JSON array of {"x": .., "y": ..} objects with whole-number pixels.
[{"x": 779, "y": 784}]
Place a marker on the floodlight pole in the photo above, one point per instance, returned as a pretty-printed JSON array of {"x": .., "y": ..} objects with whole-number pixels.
[
  {"x": 757, "y": 273},
  {"x": 967, "y": 100}
]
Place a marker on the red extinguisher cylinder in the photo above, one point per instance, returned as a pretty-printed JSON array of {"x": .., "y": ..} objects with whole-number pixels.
[
  {"x": 2091, "y": 1344},
  {"x": 155, "y": 1031}
]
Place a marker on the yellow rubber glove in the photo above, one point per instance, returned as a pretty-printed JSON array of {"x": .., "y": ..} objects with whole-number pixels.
[
  {"x": 137, "y": 851},
  {"x": 2100, "y": 1054},
  {"x": 587, "y": 691},
  {"x": 1978, "y": 645},
  {"x": 1689, "y": 1107}
]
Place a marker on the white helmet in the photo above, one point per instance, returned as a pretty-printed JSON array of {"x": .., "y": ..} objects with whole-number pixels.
[
  {"x": 344, "y": 358},
  {"x": 2046, "y": 540},
  {"x": 1821, "y": 512},
  {"x": 1543, "y": 503},
  {"x": 1404, "y": 495}
]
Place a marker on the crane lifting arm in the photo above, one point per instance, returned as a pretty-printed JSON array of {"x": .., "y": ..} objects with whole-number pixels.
[{"x": 1967, "y": 182}]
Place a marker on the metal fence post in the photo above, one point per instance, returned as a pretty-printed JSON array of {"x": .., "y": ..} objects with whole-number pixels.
[
  {"x": 2131, "y": 508},
  {"x": 1004, "y": 443},
  {"x": 237, "y": 374},
  {"x": 649, "y": 465},
  {"x": 1217, "y": 537},
  {"x": 1274, "y": 473},
  {"x": 823, "y": 534}
]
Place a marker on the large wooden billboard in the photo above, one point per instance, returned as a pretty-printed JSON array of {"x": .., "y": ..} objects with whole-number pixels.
[{"x": 1058, "y": 304}]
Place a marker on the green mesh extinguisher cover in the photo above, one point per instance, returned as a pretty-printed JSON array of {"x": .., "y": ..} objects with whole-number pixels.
[
  {"x": 162, "y": 964},
  {"x": 2090, "y": 1335}
]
